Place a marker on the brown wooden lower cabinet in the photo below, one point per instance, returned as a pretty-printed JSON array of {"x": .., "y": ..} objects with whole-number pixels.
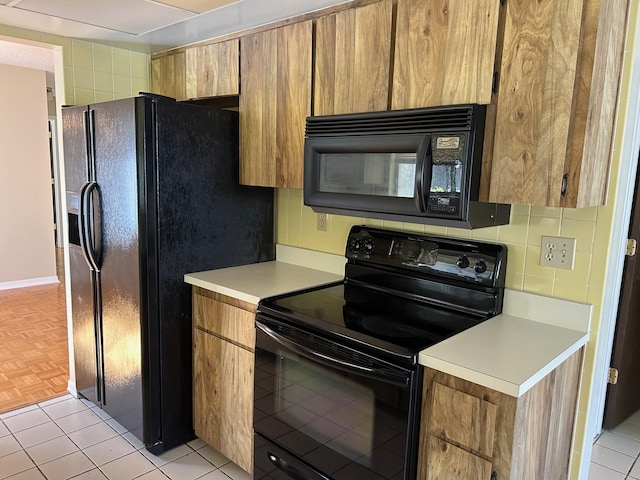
[
  {"x": 223, "y": 373},
  {"x": 473, "y": 432}
]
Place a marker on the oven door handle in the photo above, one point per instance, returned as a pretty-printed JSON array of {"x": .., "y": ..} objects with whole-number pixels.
[
  {"x": 385, "y": 374},
  {"x": 289, "y": 470}
]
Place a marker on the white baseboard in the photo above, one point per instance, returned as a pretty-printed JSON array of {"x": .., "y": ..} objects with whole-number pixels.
[
  {"x": 71, "y": 388},
  {"x": 30, "y": 282}
]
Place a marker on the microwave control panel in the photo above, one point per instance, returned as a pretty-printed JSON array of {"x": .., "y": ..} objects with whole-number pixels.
[{"x": 448, "y": 175}]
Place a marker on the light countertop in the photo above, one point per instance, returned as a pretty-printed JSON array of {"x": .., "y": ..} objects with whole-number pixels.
[
  {"x": 254, "y": 282},
  {"x": 509, "y": 353},
  {"x": 515, "y": 350}
]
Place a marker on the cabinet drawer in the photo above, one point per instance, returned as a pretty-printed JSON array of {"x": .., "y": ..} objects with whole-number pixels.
[
  {"x": 462, "y": 418},
  {"x": 226, "y": 321},
  {"x": 446, "y": 461}
]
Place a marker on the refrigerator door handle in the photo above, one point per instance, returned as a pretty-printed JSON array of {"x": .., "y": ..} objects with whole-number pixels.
[
  {"x": 89, "y": 227},
  {"x": 89, "y": 133}
]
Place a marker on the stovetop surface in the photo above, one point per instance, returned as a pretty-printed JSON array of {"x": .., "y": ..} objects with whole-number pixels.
[{"x": 393, "y": 324}]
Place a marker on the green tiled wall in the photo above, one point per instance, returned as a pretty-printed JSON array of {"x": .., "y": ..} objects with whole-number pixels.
[{"x": 93, "y": 72}]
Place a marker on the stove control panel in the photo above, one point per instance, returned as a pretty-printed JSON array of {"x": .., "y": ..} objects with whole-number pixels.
[{"x": 464, "y": 259}]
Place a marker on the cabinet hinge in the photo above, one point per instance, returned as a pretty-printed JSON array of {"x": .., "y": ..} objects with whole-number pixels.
[
  {"x": 612, "y": 378},
  {"x": 632, "y": 245}
]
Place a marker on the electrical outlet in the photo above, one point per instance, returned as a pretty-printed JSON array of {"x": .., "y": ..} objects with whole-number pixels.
[
  {"x": 322, "y": 222},
  {"x": 558, "y": 252}
]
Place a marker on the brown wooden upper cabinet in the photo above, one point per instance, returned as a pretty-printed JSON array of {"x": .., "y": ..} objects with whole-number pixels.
[
  {"x": 168, "y": 75},
  {"x": 275, "y": 100},
  {"x": 213, "y": 70},
  {"x": 555, "y": 111},
  {"x": 444, "y": 52},
  {"x": 352, "y": 60}
]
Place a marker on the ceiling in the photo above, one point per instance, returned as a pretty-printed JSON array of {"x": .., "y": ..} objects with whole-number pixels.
[{"x": 149, "y": 25}]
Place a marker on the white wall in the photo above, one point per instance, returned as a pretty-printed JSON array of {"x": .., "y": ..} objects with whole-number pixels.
[{"x": 27, "y": 250}]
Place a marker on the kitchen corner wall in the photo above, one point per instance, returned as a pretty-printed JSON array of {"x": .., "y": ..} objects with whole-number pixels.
[
  {"x": 592, "y": 227},
  {"x": 93, "y": 72}
]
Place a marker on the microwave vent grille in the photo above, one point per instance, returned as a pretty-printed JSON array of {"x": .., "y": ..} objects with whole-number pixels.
[{"x": 394, "y": 122}]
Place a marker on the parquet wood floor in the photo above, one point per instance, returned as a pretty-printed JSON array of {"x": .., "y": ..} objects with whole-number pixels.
[{"x": 34, "y": 358}]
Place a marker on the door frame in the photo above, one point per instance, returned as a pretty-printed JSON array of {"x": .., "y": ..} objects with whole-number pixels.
[{"x": 629, "y": 122}]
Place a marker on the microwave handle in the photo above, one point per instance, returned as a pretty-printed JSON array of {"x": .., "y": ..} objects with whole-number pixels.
[{"x": 424, "y": 165}]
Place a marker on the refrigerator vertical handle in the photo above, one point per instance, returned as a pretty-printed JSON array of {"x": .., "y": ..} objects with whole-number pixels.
[
  {"x": 90, "y": 229},
  {"x": 89, "y": 132}
]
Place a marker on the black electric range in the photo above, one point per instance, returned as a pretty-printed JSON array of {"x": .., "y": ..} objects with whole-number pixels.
[{"x": 338, "y": 385}]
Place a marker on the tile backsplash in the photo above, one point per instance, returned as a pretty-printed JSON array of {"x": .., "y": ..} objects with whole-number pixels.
[{"x": 296, "y": 226}]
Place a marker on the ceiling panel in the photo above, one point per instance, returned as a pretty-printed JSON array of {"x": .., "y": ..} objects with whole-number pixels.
[
  {"x": 197, "y": 6},
  {"x": 110, "y": 17},
  {"x": 129, "y": 16}
]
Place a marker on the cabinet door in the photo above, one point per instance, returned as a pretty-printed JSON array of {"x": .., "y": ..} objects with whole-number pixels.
[
  {"x": 213, "y": 70},
  {"x": 275, "y": 68},
  {"x": 168, "y": 76},
  {"x": 465, "y": 429},
  {"x": 446, "y": 462},
  {"x": 462, "y": 418},
  {"x": 352, "y": 58},
  {"x": 223, "y": 397},
  {"x": 555, "y": 107},
  {"x": 444, "y": 52}
]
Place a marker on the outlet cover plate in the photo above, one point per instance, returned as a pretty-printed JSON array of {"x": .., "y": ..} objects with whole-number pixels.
[
  {"x": 321, "y": 224},
  {"x": 558, "y": 252}
]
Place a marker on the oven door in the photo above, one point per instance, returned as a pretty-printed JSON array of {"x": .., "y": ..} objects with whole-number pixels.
[{"x": 340, "y": 413}]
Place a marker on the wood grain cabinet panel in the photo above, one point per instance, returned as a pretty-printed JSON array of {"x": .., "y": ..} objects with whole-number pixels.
[
  {"x": 559, "y": 75},
  {"x": 222, "y": 397},
  {"x": 213, "y": 70},
  {"x": 223, "y": 376},
  {"x": 452, "y": 462},
  {"x": 464, "y": 419},
  {"x": 352, "y": 60},
  {"x": 168, "y": 75},
  {"x": 275, "y": 68},
  {"x": 224, "y": 320},
  {"x": 444, "y": 52}
]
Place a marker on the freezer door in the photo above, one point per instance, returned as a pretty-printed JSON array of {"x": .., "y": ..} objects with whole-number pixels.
[
  {"x": 82, "y": 279},
  {"x": 116, "y": 175}
]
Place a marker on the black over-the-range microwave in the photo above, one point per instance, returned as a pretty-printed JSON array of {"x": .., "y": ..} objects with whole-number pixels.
[{"x": 418, "y": 165}]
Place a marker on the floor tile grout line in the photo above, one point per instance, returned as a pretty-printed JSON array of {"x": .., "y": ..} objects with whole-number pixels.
[
  {"x": 198, "y": 448},
  {"x": 121, "y": 435}
]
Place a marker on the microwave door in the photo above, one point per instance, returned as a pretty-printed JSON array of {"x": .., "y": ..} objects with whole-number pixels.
[
  {"x": 424, "y": 161},
  {"x": 367, "y": 174}
]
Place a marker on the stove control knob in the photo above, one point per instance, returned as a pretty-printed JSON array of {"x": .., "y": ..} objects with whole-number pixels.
[
  {"x": 480, "y": 267},
  {"x": 463, "y": 262},
  {"x": 355, "y": 245},
  {"x": 368, "y": 246}
]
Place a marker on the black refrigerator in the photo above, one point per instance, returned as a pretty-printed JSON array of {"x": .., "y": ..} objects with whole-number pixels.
[{"x": 152, "y": 193}]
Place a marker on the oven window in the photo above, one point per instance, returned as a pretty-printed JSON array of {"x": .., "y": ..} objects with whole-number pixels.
[
  {"x": 378, "y": 174},
  {"x": 345, "y": 425}
]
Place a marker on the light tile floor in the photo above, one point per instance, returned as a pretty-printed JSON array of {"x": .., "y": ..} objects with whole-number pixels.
[
  {"x": 68, "y": 438},
  {"x": 615, "y": 453}
]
